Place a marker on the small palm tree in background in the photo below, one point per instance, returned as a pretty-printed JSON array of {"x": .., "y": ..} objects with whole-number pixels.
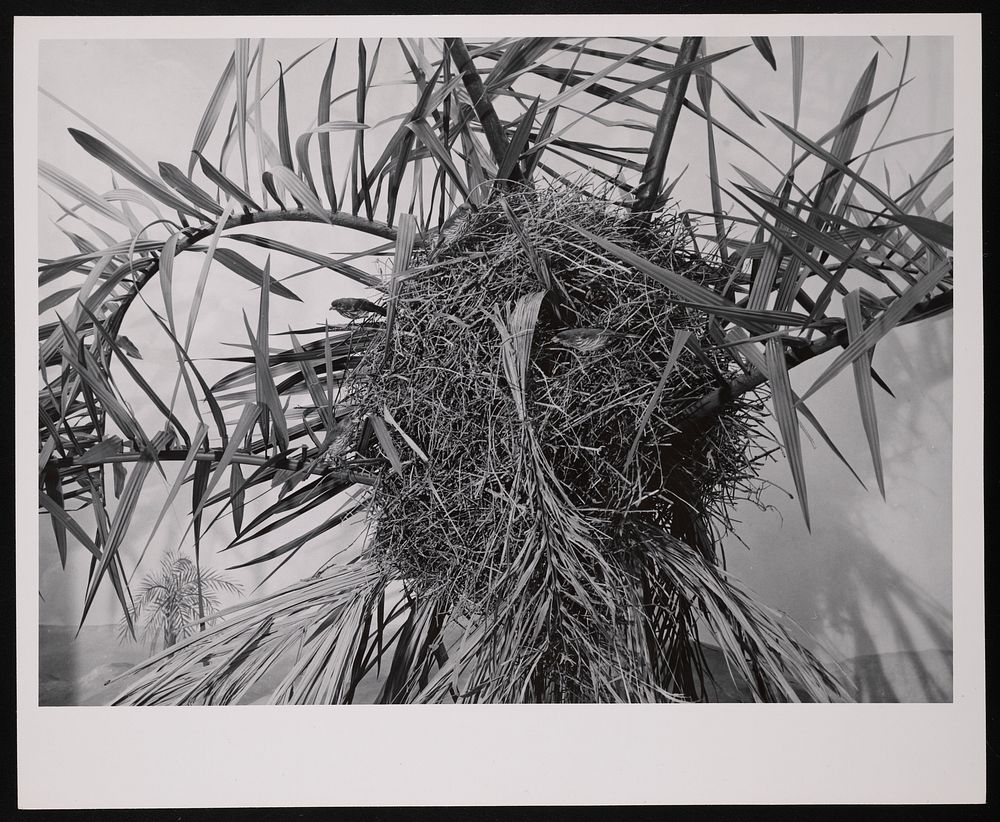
[
  {"x": 559, "y": 391},
  {"x": 171, "y": 601}
]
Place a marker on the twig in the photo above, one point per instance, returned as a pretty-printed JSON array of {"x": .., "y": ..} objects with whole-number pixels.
[
  {"x": 196, "y": 235},
  {"x": 337, "y": 218},
  {"x": 179, "y": 455},
  {"x": 713, "y": 401}
]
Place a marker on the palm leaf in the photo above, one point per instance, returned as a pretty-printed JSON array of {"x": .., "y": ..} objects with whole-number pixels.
[
  {"x": 295, "y": 544},
  {"x": 226, "y": 184},
  {"x": 53, "y": 488},
  {"x": 323, "y": 116},
  {"x": 179, "y": 480},
  {"x": 110, "y": 138},
  {"x": 879, "y": 327},
  {"x": 67, "y": 523},
  {"x": 198, "y": 196},
  {"x": 703, "y": 84},
  {"x": 682, "y": 286},
  {"x": 248, "y": 271},
  {"x": 432, "y": 142},
  {"x": 518, "y": 142},
  {"x": 928, "y": 229},
  {"x": 122, "y": 519},
  {"x": 56, "y": 298},
  {"x": 847, "y": 138},
  {"x": 284, "y": 141},
  {"x": 659, "y": 146},
  {"x": 206, "y": 265},
  {"x": 784, "y": 411},
  {"x": 115, "y": 161},
  {"x": 242, "y": 56},
  {"x": 237, "y": 496},
  {"x": 739, "y": 337},
  {"x": 340, "y": 267},
  {"x": 211, "y": 114},
  {"x": 258, "y": 120},
  {"x": 862, "y": 382},
  {"x": 185, "y": 360},
  {"x": 763, "y": 45},
  {"x": 678, "y": 345},
  {"x": 76, "y": 189},
  {"x": 267, "y": 394},
  {"x": 305, "y": 195},
  {"x": 136, "y": 376},
  {"x": 243, "y": 427}
]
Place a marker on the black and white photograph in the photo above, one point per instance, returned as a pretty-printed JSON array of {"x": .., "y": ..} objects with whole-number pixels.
[{"x": 613, "y": 368}]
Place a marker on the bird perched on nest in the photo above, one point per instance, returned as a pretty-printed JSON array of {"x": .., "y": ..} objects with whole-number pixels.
[
  {"x": 356, "y": 308},
  {"x": 588, "y": 340},
  {"x": 339, "y": 442}
]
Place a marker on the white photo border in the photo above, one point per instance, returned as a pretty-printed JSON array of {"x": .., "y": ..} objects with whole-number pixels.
[{"x": 257, "y": 756}]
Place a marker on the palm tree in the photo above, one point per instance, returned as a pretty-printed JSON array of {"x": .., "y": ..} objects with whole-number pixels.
[
  {"x": 546, "y": 519},
  {"x": 170, "y": 603}
]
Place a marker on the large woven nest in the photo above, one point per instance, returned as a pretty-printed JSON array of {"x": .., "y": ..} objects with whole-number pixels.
[{"x": 564, "y": 496}]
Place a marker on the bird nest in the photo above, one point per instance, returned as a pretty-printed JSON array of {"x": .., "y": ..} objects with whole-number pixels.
[{"x": 535, "y": 395}]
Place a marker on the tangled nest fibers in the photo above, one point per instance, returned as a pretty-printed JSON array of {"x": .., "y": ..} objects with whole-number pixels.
[{"x": 562, "y": 499}]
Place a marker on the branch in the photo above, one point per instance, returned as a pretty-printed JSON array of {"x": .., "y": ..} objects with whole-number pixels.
[
  {"x": 337, "y": 218},
  {"x": 179, "y": 455},
  {"x": 710, "y": 403},
  {"x": 196, "y": 235},
  {"x": 715, "y": 400}
]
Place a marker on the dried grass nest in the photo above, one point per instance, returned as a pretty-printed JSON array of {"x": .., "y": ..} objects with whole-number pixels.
[{"x": 514, "y": 439}]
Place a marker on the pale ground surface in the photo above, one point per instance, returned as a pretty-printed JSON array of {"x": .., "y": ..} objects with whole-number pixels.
[{"x": 872, "y": 580}]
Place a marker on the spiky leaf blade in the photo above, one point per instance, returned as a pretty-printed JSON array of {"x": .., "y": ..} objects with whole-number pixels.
[
  {"x": 305, "y": 169},
  {"x": 211, "y": 114},
  {"x": 433, "y": 143},
  {"x": 323, "y": 116},
  {"x": 179, "y": 480},
  {"x": 227, "y": 185},
  {"x": 788, "y": 424},
  {"x": 347, "y": 270},
  {"x": 266, "y": 390},
  {"x": 247, "y": 270},
  {"x": 798, "y": 63},
  {"x": 175, "y": 178},
  {"x": 862, "y": 382},
  {"x": 680, "y": 340},
  {"x": 53, "y": 487},
  {"x": 763, "y": 45},
  {"x": 237, "y": 495},
  {"x": 881, "y": 325},
  {"x": 206, "y": 265},
  {"x": 76, "y": 189},
  {"x": 386, "y": 443},
  {"x": 242, "y": 55},
  {"x": 119, "y": 164},
  {"x": 518, "y": 142},
  {"x": 301, "y": 192},
  {"x": 122, "y": 518}
]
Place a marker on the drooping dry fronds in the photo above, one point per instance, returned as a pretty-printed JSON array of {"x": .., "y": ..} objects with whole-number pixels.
[{"x": 539, "y": 395}]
